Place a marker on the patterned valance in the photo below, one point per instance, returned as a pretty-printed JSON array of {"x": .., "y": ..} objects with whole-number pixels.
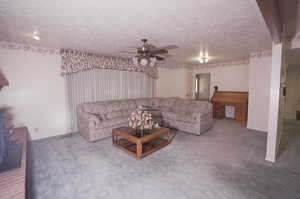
[{"x": 75, "y": 61}]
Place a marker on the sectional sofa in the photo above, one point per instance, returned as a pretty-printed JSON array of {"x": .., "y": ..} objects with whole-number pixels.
[{"x": 97, "y": 119}]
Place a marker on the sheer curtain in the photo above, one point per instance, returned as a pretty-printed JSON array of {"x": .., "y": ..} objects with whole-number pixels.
[{"x": 104, "y": 84}]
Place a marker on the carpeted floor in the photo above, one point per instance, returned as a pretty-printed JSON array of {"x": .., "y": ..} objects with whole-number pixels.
[{"x": 226, "y": 162}]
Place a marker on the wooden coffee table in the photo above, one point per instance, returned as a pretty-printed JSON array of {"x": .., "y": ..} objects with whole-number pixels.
[{"x": 138, "y": 145}]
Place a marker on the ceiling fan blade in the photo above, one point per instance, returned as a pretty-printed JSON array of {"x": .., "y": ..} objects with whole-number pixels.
[
  {"x": 151, "y": 46},
  {"x": 169, "y": 47},
  {"x": 158, "y": 51},
  {"x": 132, "y": 47},
  {"x": 159, "y": 58},
  {"x": 128, "y": 52},
  {"x": 165, "y": 55}
]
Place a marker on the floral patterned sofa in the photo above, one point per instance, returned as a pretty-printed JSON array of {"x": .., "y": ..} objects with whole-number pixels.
[{"x": 97, "y": 119}]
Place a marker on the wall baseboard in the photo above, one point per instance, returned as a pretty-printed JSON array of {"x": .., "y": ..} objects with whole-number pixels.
[
  {"x": 256, "y": 129},
  {"x": 270, "y": 159}
]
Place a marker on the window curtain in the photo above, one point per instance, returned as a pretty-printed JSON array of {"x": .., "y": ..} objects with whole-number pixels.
[{"x": 101, "y": 85}]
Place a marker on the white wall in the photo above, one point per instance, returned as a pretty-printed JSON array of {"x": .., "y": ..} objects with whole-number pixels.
[
  {"x": 36, "y": 91},
  {"x": 259, "y": 92},
  {"x": 173, "y": 82},
  {"x": 227, "y": 78},
  {"x": 277, "y": 101}
]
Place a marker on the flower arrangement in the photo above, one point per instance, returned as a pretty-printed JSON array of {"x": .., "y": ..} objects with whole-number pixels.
[{"x": 141, "y": 119}]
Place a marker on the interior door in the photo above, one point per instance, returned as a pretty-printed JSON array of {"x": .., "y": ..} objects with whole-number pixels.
[{"x": 203, "y": 86}]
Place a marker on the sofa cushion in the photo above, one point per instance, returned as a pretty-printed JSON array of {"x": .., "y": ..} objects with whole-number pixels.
[
  {"x": 169, "y": 115},
  {"x": 185, "y": 118},
  {"x": 114, "y": 114},
  {"x": 113, "y": 105},
  {"x": 181, "y": 106},
  {"x": 198, "y": 107},
  {"x": 128, "y": 104},
  {"x": 142, "y": 102},
  {"x": 127, "y": 113},
  {"x": 166, "y": 103},
  {"x": 94, "y": 107},
  {"x": 112, "y": 122},
  {"x": 154, "y": 102}
]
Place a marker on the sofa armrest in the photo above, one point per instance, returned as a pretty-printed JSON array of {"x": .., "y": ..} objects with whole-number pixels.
[
  {"x": 86, "y": 123},
  {"x": 197, "y": 116},
  {"x": 89, "y": 117},
  {"x": 201, "y": 116},
  {"x": 205, "y": 120}
]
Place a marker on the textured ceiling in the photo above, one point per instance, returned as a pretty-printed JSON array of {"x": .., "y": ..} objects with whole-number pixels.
[{"x": 228, "y": 30}]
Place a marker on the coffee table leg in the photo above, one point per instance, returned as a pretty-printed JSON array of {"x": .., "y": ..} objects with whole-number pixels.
[
  {"x": 114, "y": 138},
  {"x": 139, "y": 149}
]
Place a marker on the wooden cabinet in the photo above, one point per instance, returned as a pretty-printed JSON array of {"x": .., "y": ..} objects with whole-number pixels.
[
  {"x": 239, "y": 100},
  {"x": 13, "y": 182}
]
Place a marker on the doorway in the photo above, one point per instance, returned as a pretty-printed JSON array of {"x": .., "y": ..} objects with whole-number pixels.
[
  {"x": 291, "y": 123},
  {"x": 202, "y": 86}
]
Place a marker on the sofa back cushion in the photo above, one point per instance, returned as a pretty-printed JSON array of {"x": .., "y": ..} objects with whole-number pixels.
[
  {"x": 120, "y": 108},
  {"x": 113, "y": 105},
  {"x": 114, "y": 108},
  {"x": 94, "y": 107},
  {"x": 128, "y": 107},
  {"x": 142, "y": 102},
  {"x": 127, "y": 113},
  {"x": 114, "y": 114},
  {"x": 154, "y": 102},
  {"x": 166, "y": 103},
  {"x": 181, "y": 106},
  {"x": 128, "y": 104}
]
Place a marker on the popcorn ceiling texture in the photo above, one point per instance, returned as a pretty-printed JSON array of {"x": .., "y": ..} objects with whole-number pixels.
[{"x": 228, "y": 31}]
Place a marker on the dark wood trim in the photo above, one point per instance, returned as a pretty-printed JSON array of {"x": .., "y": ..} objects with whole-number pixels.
[
  {"x": 288, "y": 13},
  {"x": 239, "y": 100},
  {"x": 271, "y": 14},
  {"x": 241, "y": 92},
  {"x": 135, "y": 146}
]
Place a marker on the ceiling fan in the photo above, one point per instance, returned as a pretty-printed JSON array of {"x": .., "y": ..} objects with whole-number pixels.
[{"x": 147, "y": 54}]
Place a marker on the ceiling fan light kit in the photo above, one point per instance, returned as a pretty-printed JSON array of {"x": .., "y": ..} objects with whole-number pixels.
[
  {"x": 203, "y": 60},
  {"x": 144, "y": 61},
  {"x": 148, "y": 54}
]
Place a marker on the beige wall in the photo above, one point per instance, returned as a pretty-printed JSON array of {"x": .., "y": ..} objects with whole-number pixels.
[
  {"x": 228, "y": 78},
  {"x": 36, "y": 92},
  {"x": 180, "y": 82},
  {"x": 173, "y": 82},
  {"x": 259, "y": 92}
]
